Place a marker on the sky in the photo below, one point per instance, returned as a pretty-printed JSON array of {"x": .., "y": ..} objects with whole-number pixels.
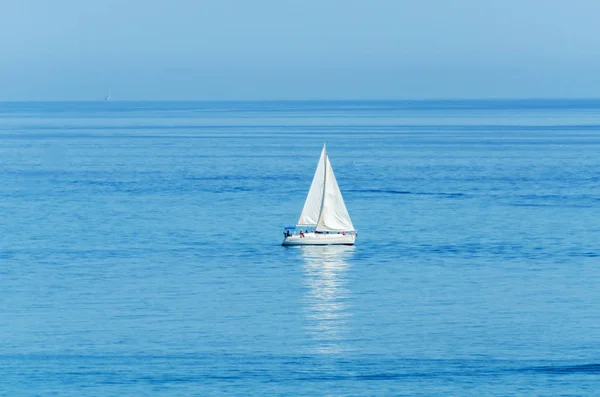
[{"x": 305, "y": 49}]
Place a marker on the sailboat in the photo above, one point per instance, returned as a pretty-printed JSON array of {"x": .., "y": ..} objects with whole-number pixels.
[
  {"x": 108, "y": 97},
  {"x": 324, "y": 219}
]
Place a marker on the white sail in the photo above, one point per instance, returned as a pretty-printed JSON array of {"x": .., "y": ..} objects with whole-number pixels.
[
  {"x": 334, "y": 216},
  {"x": 312, "y": 205}
]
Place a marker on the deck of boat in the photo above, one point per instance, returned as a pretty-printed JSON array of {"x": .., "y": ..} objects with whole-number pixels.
[{"x": 320, "y": 239}]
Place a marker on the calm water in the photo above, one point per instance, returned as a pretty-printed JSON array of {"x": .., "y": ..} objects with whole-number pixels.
[{"x": 140, "y": 249}]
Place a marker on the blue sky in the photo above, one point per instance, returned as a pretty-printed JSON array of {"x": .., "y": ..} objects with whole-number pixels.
[{"x": 310, "y": 49}]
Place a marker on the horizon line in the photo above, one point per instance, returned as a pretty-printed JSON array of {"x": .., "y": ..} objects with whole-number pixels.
[{"x": 315, "y": 100}]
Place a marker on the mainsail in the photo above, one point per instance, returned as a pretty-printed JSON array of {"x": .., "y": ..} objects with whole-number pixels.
[
  {"x": 312, "y": 205},
  {"x": 324, "y": 208}
]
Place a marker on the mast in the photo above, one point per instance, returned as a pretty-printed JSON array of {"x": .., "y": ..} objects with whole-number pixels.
[{"x": 324, "y": 183}]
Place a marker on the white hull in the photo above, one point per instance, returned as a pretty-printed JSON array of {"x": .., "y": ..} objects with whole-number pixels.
[{"x": 320, "y": 239}]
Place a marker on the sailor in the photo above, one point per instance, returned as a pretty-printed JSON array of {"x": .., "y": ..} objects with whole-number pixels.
[{"x": 301, "y": 233}]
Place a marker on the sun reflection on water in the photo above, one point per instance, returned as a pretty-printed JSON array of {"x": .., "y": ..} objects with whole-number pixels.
[{"x": 327, "y": 296}]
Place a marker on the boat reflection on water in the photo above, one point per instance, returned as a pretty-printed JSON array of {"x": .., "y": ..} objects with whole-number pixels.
[{"x": 326, "y": 300}]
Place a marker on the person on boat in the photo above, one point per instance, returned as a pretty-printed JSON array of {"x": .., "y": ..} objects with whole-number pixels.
[{"x": 301, "y": 233}]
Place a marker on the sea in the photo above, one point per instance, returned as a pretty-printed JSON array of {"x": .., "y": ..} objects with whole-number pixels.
[{"x": 140, "y": 249}]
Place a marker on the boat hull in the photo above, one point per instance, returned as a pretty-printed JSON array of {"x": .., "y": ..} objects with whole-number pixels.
[{"x": 320, "y": 239}]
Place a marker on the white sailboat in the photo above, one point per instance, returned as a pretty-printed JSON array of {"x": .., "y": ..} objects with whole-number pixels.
[{"x": 324, "y": 219}]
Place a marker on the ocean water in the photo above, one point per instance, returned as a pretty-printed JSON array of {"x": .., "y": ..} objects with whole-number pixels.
[{"x": 140, "y": 249}]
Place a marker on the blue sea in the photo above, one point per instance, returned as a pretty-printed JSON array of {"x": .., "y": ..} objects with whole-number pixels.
[{"x": 140, "y": 249}]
